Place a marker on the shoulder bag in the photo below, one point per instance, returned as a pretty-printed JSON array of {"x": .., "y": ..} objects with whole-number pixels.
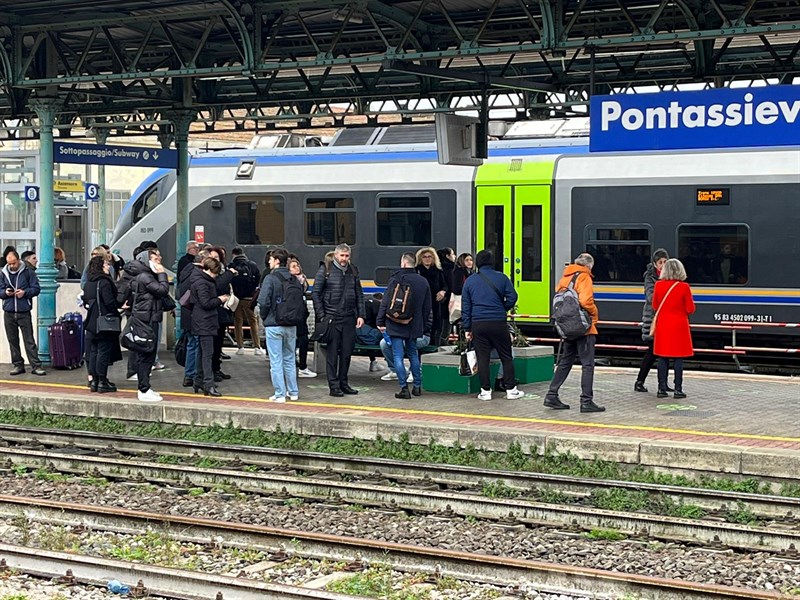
[
  {"x": 232, "y": 302},
  {"x": 660, "y": 306},
  {"x": 108, "y": 323}
]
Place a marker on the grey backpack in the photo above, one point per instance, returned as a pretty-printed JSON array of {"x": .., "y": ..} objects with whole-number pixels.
[{"x": 569, "y": 317}]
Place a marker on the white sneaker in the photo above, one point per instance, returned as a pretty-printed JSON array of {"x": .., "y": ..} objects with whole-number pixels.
[
  {"x": 240, "y": 352},
  {"x": 149, "y": 396},
  {"x": 374, "y": 367},
  {"x": 410, "y": 378},
  {"x": 294, "y": 397},
  {"x": 306, "y": 373},
  {"x": 134, "y": 377},
  {"x": 158, "y": 367},
  {"x": 258, "y": 352},
  {"x": 485, "y": 394},
  {"x": 513, "y": 394},
  {"x": 278, "y": 399},
  {"x": 390, "y": 376}
]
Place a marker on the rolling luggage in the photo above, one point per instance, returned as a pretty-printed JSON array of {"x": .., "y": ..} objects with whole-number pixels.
[
  {"x": 66, "y": 341},
  {"x": 78, "y": 319}
]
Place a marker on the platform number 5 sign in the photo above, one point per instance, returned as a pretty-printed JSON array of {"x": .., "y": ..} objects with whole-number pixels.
[{"x": 92, "y": 192}]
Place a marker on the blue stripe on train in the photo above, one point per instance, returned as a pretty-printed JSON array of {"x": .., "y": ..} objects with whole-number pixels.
[{"x": 708, "y": 298}]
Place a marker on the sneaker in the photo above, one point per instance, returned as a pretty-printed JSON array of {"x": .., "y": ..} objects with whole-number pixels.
[
  {"x": 258, "y": 352},
  {"x": 278, "y": 399},
  {"x": 390, "y": 376},
  {"x": 41, "y": 372},
  {"x": 17, "y": 371},
  {"x": 485, "y": 394},
  {"x": 374, "y": 367},
  {"x": 240, "y": 352},
  {"x": 514, "y": 393},
  {"x": 555, "y": 404},
  {"x": 306, "y": 373},
  {"x": 294, "y": 397},
  {"x": 159, "y": 367},
  {"x": 410, "y": 378},
  {"x": 591, "y": 407},
  {"x": 134, "y": 377},
  {"x": 149, "y": 396}
]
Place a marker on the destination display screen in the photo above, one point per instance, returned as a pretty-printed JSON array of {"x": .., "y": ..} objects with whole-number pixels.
[{"x": 717, "y": 196}]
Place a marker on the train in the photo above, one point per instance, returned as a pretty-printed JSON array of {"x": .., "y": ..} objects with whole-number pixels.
[{"x": 731, "y": 215}]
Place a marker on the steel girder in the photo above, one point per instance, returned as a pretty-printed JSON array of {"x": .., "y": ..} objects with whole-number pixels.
[{"x": 258, "y": 64}]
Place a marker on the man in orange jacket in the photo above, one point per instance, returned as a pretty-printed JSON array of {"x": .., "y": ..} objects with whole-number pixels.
[{"x": 582, "y": 347}]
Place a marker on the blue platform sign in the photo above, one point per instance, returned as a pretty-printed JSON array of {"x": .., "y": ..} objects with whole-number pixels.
[
  {"x": 720, "y": 118},
  {"x": 127, "y": 156},
  {"x": 92, "y": 192},
  {"x": 31, "y": 193}
]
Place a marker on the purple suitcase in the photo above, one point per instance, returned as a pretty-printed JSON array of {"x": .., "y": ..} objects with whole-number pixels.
[{"x": 65, "y": 345}]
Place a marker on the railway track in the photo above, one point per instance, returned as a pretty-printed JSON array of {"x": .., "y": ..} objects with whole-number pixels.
[
  {"x": 329, "y": 488},
  {"x": 465, "y": 566}
]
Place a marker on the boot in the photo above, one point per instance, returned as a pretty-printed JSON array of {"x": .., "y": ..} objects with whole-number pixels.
[
  {"x": 679, "y": 394},
  {"x": 639, "y": 387},
  {"x": 212, "y": 391},
  {"x": 197, "y": 387},
  {"x": 591, "y": 407},
  {"x": 188, "y": 382},
  {"x": 555, "y": 404},
  {"x": 667, "y": 388},
  {"x": 403, "y": 394},
  {"x": 93, "y": 384},
  {"x": 104, "y": 386},
  {"x": 336, "y": 392},
  {"x": 416, "y": 391},
  {"x": 662, "y": 393}
]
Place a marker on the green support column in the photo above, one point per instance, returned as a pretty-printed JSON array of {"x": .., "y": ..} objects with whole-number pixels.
[
  {"x": 101, "y": 136},
  {"x": 46, "y": 109}
]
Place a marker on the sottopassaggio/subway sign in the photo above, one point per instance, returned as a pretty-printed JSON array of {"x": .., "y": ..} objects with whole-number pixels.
[{"x": 720, "y": 118}]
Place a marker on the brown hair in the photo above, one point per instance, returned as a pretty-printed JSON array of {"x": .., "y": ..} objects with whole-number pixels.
[{"x": 213, "y": 265}]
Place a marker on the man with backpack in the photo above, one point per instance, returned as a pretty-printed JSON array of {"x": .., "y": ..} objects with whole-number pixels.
[
  {"x": 283, "y": 304},
  {"x": 244, "y": 286},
  {"x": 339, "y": 309},
  {"x": 575, "y": 315},
  {"x": 404, "y": 315}
]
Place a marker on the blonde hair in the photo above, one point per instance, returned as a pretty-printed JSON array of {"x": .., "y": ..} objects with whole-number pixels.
[
  {"x": 673, "y": 270},
  {"x": 58, "y": 254},
  {"x": 432, "y": 251}
]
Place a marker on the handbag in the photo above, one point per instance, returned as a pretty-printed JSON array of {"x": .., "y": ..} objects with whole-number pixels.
[
  {"x": 186, "y": 299},
  {"x": 469, "y": 363},
  {"x": 108, "y": 323},
  {"x": 138, "y": 336},
  {"x": 455, "y": 308},
  {"x": 323, "y": 331},
  {"x": 655, "y": 316},
  {"x": 168, "y": 304},
  {"x": 181, "y": 347},
  {"x": 232, "y": 302}
]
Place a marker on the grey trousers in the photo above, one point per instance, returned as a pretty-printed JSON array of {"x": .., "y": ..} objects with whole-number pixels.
[
  {"x": 14, "y": 323},
  {"x": 582, "y": 348}
]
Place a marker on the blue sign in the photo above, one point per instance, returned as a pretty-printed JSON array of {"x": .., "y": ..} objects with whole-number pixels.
[
  {"x": 127, "y": 156},
  {"x": 31, "y": 193},
  {"x": 720, "y": 118},
  {"x": 92, "y": 192}
]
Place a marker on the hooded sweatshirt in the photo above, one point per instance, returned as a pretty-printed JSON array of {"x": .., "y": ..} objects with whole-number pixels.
[{"x": 25, "y": 279}]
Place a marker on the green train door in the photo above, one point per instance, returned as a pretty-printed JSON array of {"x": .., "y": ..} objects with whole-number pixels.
[
  {"x": 493, "y": 225},
  {"x": 531, "y": 234}
]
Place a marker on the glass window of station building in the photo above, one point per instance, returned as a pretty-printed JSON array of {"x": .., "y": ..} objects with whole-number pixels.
[{"x": 18, "y": 218}]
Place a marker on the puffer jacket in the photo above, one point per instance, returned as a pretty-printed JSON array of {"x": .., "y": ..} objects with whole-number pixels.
[
  {"x": 585, "y": 289},
  {"x": 329, "y": 286},
  {"x": 205, "y": 319},
  {"x": 147, "y": 290},
  {"x": 651, "y": 275},
  {"x": 24, "y": 279}
]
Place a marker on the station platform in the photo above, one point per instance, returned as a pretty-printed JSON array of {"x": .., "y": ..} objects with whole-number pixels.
[{"x": 730, "y": 423}]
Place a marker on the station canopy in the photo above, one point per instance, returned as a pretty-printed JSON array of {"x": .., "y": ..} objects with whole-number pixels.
[{"x": 127, "y": 65}]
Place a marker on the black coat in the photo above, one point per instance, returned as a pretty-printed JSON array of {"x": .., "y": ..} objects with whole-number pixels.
[
  {"x": 100, "y": 293},
  {"x": 330, "y": 285},
  {"x": 186, "y": 259},
  {"x": 147, "y": 290},
  {"x": 420, "y": 302},
  {"x": 458, "y": 278},
  {"x": 435, "y": 278},
  {"x": 223, "y": 285},
  {"x": 206, "y": 303},
  {"x": 447, "y": 270},
  {"x": 186, "y": 278}
]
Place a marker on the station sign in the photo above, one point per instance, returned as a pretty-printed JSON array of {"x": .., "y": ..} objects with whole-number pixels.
[
  {"x": 718, "y": 118},
  {"x": 92, "y": 191},
  {"x": 31, "y": 193},
  {"x": 124, "y": 156},
  {"x": 68, "y": 185}
]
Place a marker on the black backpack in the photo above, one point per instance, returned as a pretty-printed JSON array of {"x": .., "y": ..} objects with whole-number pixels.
[
  {"x": 290, "y": 308},
  {"x": 569, "y": 317},
  {"x": 246, "y": 278},
  {"x": 400, "y": 309}
]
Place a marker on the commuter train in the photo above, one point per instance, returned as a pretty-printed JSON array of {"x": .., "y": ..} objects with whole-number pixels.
[{"x": 732, "y": 216}]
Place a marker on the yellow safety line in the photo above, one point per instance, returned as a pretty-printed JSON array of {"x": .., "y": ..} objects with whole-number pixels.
[{"x": 436, "y": 413}]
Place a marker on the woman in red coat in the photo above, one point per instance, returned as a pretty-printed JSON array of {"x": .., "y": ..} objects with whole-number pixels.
[{"x": 672, "y": 298}]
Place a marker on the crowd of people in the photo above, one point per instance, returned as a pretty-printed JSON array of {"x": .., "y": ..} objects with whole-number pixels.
[{"x": 431, "y": 294}]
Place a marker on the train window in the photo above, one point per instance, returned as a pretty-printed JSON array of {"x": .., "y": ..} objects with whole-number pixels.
[
  {"x": 715, "y": 254},
  {"x": 621, "y": 254},
  {"x": 149, "y": 200},
  {"x": 260, "y": 220},
  {"x": 404, "y": 221},
  {"x": 493, "y": 234},
  {"x": 330, "y": 221},
  {"x": 531, "y": 243}
]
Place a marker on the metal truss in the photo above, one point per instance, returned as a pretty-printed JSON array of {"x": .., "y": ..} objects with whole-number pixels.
[{"x": 257, "y": 64}]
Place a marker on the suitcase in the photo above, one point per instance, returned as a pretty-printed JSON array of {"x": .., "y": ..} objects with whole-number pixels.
[
  {"x": 65, "y": 344},
  {"x": 78, "y": 319}
]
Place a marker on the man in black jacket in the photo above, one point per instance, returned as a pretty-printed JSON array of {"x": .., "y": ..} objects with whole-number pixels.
[
  {"x": 191, "y": 252},
  {"x": 244, "y": 286},
  {"x": 413, "y": 292},
  {"x": 339, "y": 299},
  {"x": 186, "y": 278}
]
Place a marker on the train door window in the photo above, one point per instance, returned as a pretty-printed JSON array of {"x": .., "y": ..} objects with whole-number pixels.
[
  {"x": 260, "y": 220},
  {"x": 715, "y": 254},
  {"x": 149, "y": 200},
  {"x": 404, "y": 221},
  {"x": 621, "y": 253},
  {"x": 493, "y": 233},
  {"x": 531, "y": 243},
  {"x": 330, "y": 221}
]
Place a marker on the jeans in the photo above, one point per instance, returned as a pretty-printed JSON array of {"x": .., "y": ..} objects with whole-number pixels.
[
  {"x": 388, "y": 352},
  {"x": 243, "y": 311},
  {"x": 663, "y": 371},
  {"x": 402, "y": 347},
  {"x": 14, "y": 323},
  {"x": 582, "y": 348},
  {"x": 489, "y": 335},
  {"x": 203, "y": 374},
  {"x": 281, "y": 341},
  {"x": 192, "y": 350}
]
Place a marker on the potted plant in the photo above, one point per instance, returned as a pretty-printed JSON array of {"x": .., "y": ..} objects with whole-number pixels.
[
  {"x": 532, "y": 364},
  {"x": 440, "y": 371}
]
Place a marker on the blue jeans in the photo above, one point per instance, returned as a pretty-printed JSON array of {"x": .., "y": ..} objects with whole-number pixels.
[
  {"x": 402, "y": 347},
  {"x": 281, "y": 342},
  {"x": 192, "y": 344},
  {"x": 388, "y": 353}
]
